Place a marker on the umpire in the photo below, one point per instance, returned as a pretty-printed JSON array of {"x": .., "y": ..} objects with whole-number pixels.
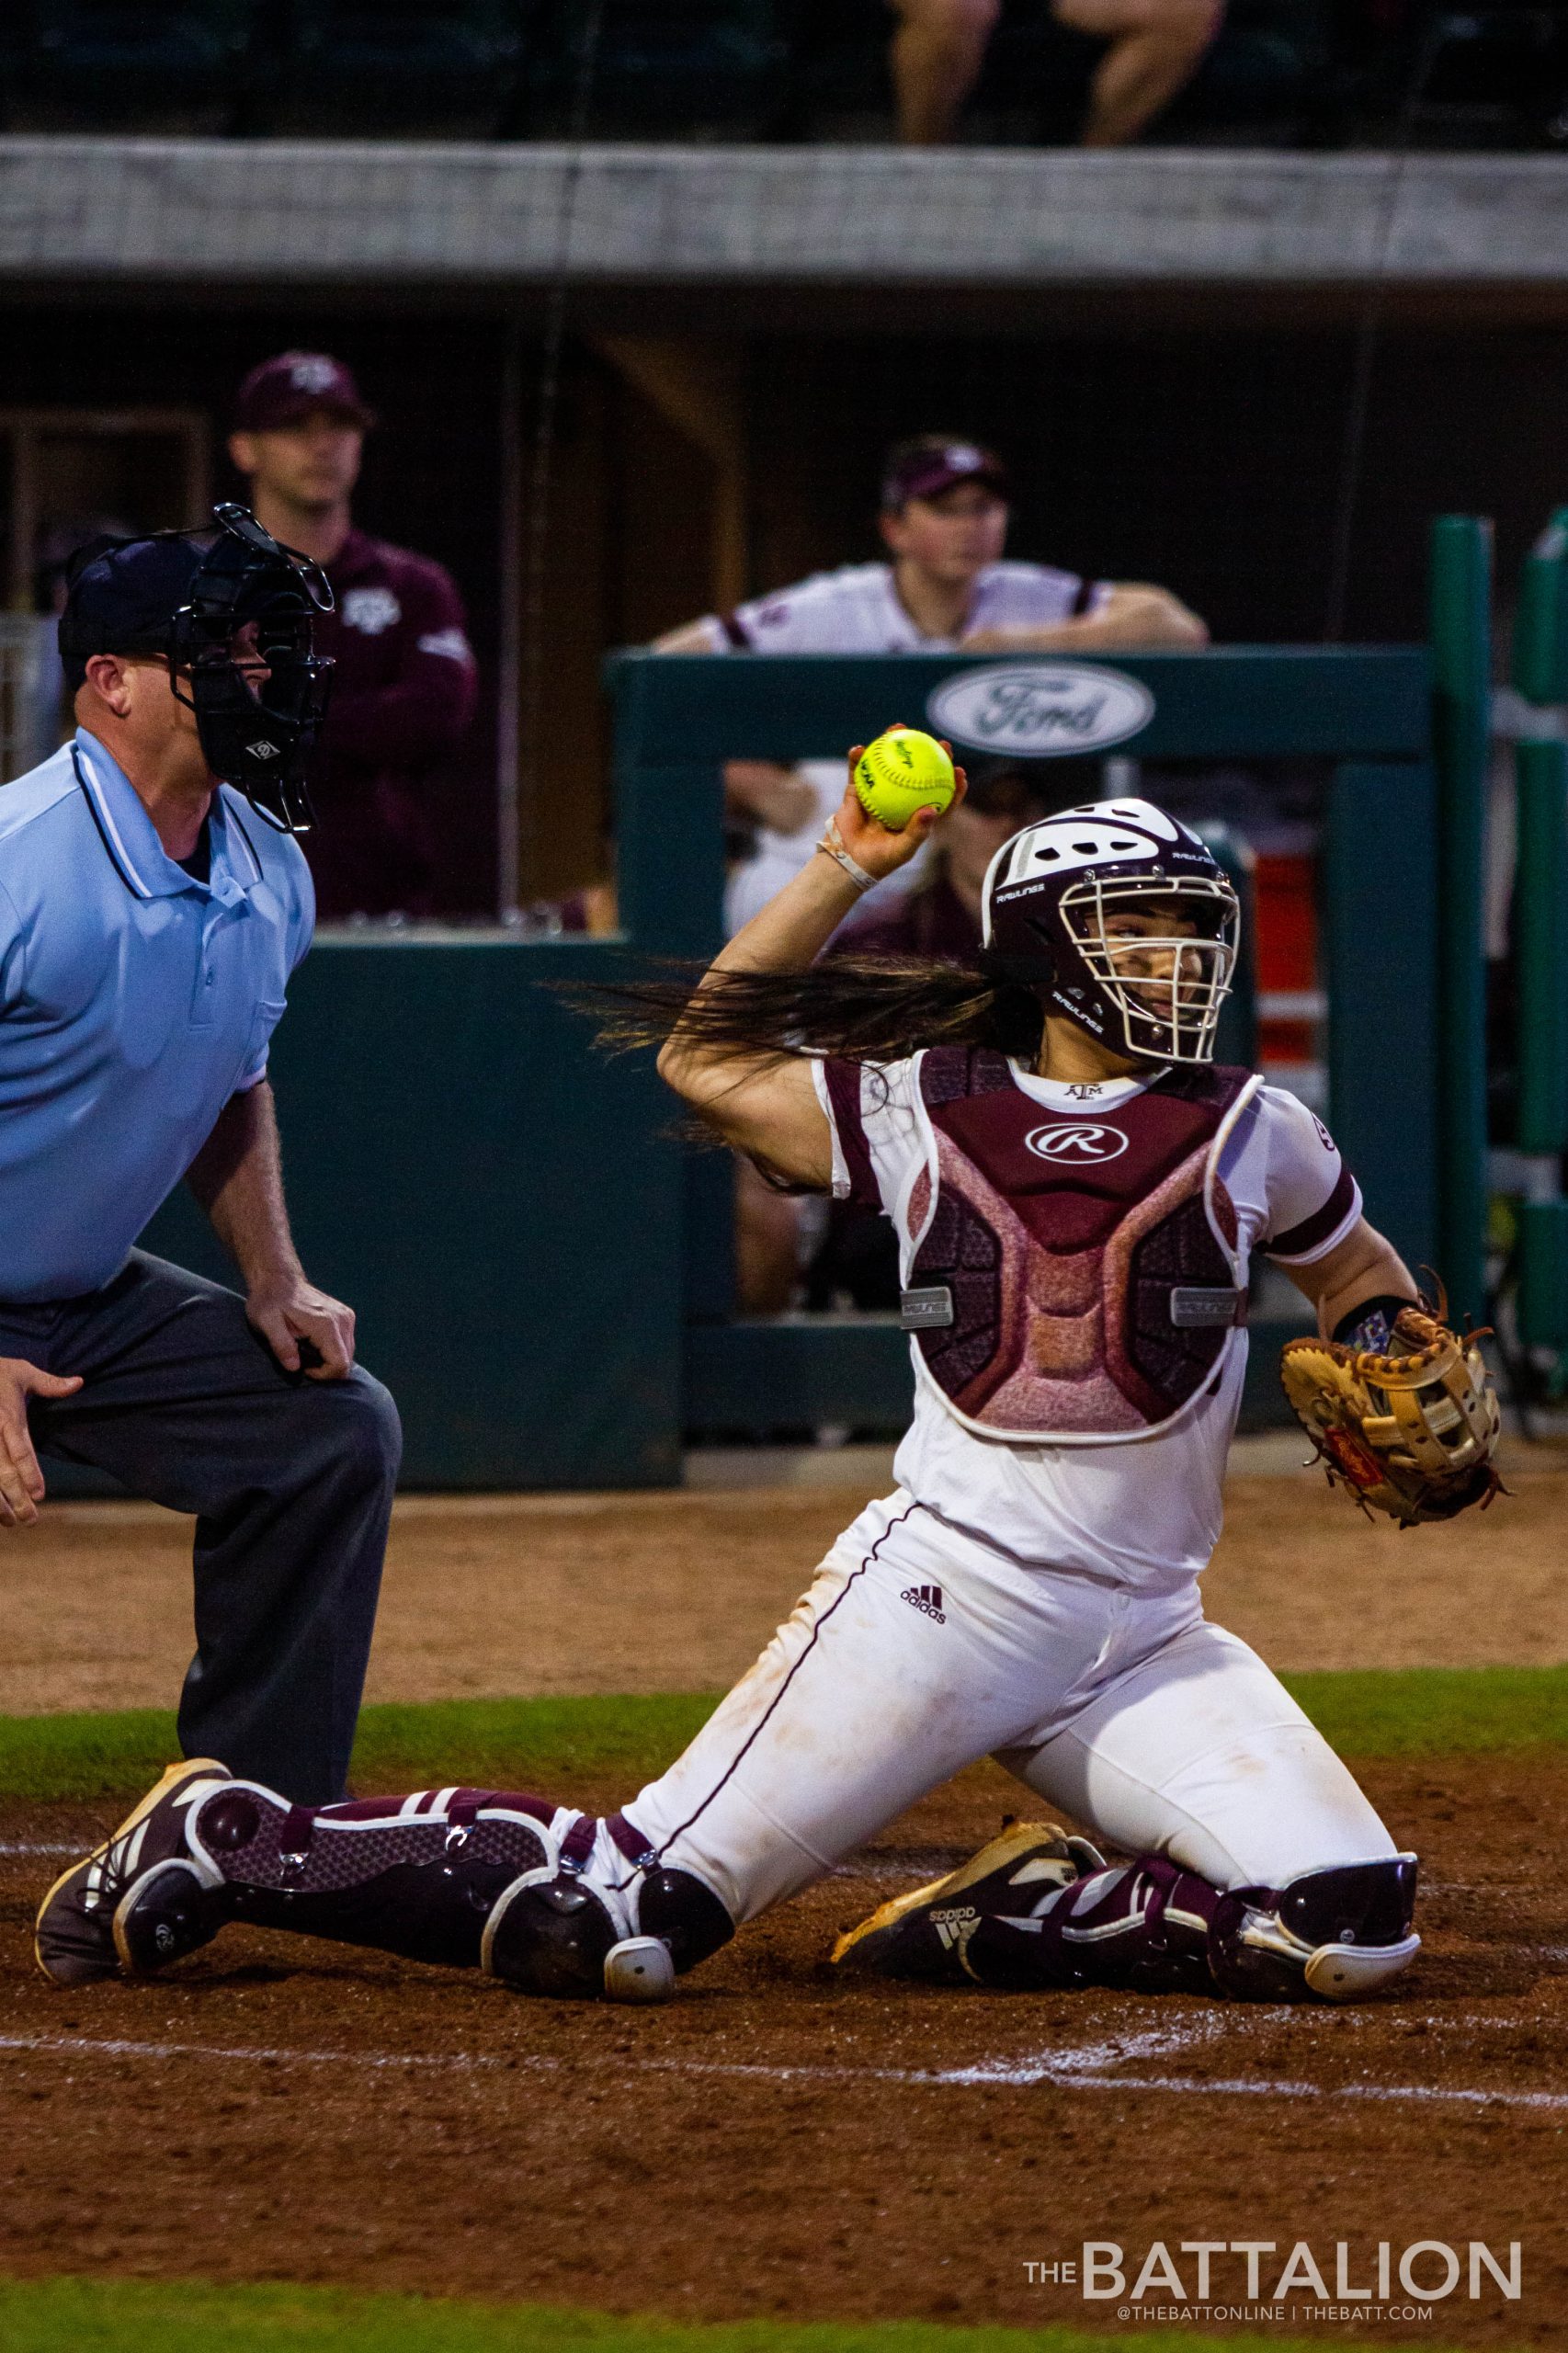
[{"x": 150, "y": 918}]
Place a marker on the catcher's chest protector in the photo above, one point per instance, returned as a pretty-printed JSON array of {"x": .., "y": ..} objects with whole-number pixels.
[{"x": 1074, "y": 1279}]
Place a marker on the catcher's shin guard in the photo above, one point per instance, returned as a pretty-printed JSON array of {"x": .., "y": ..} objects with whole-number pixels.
[
  {"x": 1024, "y": 1914},
  {"x": 1341, "y": 1933},
  {"x": 416, "y": 1876}
]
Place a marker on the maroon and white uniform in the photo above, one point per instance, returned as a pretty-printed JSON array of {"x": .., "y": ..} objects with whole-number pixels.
[
  {"x": 1032, "y": 1594},
  {"x": 857, "y": 610},
  {"x": 401, "y": 695}
]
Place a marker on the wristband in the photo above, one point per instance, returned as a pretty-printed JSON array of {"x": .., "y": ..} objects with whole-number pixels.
[
  {"x": 1369, "y": 1326},
  {"x": 832, "y": 845}
]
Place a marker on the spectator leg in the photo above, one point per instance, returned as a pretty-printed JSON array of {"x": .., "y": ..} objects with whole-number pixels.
[
  {"x": 937, "y": 56},
  {"x": 767, "y": 1227},
  {"x": 1156, "y": 47}
]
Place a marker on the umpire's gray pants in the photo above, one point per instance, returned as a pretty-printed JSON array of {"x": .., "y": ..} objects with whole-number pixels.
[{"x": 291, "y": 1484}]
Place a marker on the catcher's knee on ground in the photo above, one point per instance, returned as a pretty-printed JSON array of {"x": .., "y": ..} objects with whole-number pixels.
[
  {"x": 628, "y": 1931},
  {"x": 1034, "y": 1910}
]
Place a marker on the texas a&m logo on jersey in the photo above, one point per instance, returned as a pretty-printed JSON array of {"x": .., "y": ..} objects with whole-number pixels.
[{"x": 1074, "y": 1143}]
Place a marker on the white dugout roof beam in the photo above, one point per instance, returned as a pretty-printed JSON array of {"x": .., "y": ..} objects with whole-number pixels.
[{"x": 226, "y": 212}]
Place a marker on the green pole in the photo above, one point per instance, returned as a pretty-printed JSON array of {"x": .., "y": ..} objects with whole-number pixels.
[
  {"x": 1462, "y": 677},
  {"x": 1541, "y": 935},
  {"x": 1541, "y": 889},
  {"x": 1540, "y": 929}
]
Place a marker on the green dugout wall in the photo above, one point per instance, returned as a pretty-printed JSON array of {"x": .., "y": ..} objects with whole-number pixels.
[{"x": 542, "y": 1272}]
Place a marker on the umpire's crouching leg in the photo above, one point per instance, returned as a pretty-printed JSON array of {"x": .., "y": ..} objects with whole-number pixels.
[
  {"x": 287, "y": 1580},
  {"x": 291, "y": 1481}
]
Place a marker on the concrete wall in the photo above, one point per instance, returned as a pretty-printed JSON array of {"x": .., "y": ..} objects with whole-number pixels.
[{"x": 501, "y": 216}]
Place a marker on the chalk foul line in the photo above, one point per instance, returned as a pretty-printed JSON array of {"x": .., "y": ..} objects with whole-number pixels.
[{"x": 1086, "y": 2068}]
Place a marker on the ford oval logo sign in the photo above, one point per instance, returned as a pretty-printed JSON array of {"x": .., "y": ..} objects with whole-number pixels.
[
  {"x": 1044, "y": 710},
  {"x": 1075, "y": 1144}
]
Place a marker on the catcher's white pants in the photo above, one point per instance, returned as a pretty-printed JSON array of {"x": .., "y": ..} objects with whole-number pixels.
[{"x": 917, "y": 1650}]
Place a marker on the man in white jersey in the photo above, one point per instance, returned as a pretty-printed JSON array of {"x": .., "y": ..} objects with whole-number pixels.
[
  {"x": 1078, "y": 1192},
  {"x": 945, "y": 588}
]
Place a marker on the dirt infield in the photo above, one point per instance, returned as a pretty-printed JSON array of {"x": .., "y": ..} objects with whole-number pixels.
[
  {"x": 780, "y": 2142},
  {"x": 508, "y": 1595}
]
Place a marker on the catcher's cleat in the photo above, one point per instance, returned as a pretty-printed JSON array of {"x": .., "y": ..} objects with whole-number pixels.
[
  {"x": 142, "y": 1898},
  {"x": 927, "y": 1932}
]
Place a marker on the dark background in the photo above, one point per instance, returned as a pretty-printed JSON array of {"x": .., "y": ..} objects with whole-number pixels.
[{"x": 1207, "y": 453}]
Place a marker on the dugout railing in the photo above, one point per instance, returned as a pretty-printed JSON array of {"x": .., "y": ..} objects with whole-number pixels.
[{"x": 1367, "y": 711}]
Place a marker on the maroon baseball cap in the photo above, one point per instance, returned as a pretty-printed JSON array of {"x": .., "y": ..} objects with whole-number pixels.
[
  {"x": 295, "y": 384},
  {"x": 926, "y": 467}
]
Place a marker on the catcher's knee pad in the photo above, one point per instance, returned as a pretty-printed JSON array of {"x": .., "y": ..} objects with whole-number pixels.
[
  {"x": 416, "y": 1876},
  {"x": 677, "y": 1908},
  {"x": 551, "y": 1933},
  {"x": 1341, "y": 1933}
]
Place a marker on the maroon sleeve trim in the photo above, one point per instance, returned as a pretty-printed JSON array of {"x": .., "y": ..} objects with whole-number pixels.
[
  {"x": 843, "y": 1093},
  {"x": 1316, "y": 1230},
  {"x": 1083, "y": 601},
  {"x": 731, "y": 625}
]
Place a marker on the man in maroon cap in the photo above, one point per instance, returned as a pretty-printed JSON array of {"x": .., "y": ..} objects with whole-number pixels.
[
  {"x": 406, "y": 680},
  {"x": 947, "y": 588}
]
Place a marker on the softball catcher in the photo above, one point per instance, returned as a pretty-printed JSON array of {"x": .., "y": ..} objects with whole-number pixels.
[{"x": 1077, "y": 1191}]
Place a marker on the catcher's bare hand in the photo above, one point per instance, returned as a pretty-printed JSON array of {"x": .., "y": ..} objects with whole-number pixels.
[
  {"x": 293, "y": 1310},
  {"x": 21, "y": 1481},
  {"x": 876, "y": 848}
]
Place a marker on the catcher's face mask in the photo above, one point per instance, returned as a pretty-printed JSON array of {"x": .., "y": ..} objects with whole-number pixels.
[
  {"x": 238, "y": 642},
  {"x": 1120, "y": 919}
]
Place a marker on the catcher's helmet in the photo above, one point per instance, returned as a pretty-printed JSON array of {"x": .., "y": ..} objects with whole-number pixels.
[
  {"x": 1053, "y": 895},
  {"x": 186, "y": 596}
]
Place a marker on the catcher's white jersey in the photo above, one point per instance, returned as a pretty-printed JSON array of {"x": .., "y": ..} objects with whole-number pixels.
[{"x": 1145, "y": 1512}]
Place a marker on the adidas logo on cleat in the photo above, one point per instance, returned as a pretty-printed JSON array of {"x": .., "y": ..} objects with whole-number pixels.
[
  {"x": 954, "y": 1927},
  {"x": 926, "y": 1597}
]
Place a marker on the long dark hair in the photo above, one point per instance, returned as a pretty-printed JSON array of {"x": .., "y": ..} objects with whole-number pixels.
[{"x": 857, "y": 1009}]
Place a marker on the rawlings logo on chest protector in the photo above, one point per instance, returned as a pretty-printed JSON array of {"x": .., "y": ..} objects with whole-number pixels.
[{"x": 1073, "y": 1279}]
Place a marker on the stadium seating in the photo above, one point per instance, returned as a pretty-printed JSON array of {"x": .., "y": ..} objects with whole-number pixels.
[
  {"x": 659, "y": 69},
  {"x": 115, "y": 62},
  {"x": 1494, "y": 73},
  {"x": 368, "y": 65}
]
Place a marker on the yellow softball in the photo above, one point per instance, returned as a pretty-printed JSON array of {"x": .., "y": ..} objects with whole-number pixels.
[{"x": 904, "y": 770}]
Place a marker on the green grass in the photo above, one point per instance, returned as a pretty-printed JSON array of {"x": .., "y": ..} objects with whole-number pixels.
[
  {"x": 552, "y": 1743},
  {"x": 1434, "y": 1710},
  {"x": 128, "y": 2316},
  {"x": 496, "y": 1744}
]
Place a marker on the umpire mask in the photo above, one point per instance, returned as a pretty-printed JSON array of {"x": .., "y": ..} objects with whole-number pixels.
[
  {"x": 1119, "y": 918},
  {"x": 191, "y": 597}
]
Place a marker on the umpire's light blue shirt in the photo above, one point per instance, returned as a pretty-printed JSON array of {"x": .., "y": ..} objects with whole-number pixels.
[{"x": 134, "y": 1001}]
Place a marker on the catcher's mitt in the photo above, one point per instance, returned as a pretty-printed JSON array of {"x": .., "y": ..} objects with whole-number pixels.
[{"x": 1411, "y": 1432}]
